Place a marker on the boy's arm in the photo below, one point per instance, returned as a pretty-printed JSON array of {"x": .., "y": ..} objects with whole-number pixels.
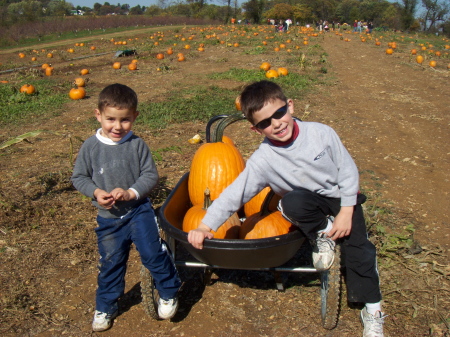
[
  {"x": 148, "y": 177},
  {"x": 197, "y": 236},
  {"x": 82, "y": 173}
]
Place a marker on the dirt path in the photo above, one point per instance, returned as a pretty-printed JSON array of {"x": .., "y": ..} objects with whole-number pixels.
[{"x": 391, "y": 114}]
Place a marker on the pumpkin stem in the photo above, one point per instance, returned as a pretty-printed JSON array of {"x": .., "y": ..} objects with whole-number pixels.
[
  {"x": 207, "y": 201},
  {"x": 265, "y": 205},
  {"x": 210, "y": 123},
  {"x": 218, "y": 134}
]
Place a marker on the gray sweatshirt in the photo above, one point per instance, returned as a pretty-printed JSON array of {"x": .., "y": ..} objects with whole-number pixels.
[
  {"x": 316, "y": 160},
  {"x": 107, "y": 165}
]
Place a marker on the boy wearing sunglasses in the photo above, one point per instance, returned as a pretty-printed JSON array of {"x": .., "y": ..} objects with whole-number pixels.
[{"x": 307, "y": 164}]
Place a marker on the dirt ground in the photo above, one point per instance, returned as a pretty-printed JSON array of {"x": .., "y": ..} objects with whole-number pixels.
[{"x": 391, "y": 114}]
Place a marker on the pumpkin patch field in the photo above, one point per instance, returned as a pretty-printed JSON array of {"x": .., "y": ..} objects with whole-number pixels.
[{"x": 385, "y": 94}]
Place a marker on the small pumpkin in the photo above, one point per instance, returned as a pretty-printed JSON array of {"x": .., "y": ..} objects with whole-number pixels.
[
  {"x": 21, "y": 55},
  {"x": 80, "y": 82},
  {"x": 265, "y": 66},
  {"x": 84, "y": 71},
  {"x": 237, "y": 103},
  {"x": 195, "y": 214},
  {"x": 27, "y": 89},
  {"x": 272, "y": 73},
  {"x": 45, "y": 65},
  {"x": 132, "y": 66},
  {"x": 389, "y": 51},
  {"x": 282, "y": 71},
  {"x": 117, "y": 65},
  {"x": 265, "y": 224},
  {"x": 49, "y": 71},
  {"x": 77, "y": 93},
  {"x": 50, "y": 55},
  {"x": 419, "y": 59},
  {"x": 433, "y": 64},
  {"x": 160, "y": 56}
]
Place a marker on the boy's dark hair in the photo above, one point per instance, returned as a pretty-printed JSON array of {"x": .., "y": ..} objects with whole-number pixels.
[
  {"x": 118, "y": 96},
  {"x": 258, "y": 94}
]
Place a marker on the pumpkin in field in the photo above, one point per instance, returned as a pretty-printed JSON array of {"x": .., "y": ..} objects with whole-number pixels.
[
  {"x": 254, "y": 204},
  {"x": 132, "y": 66},
  {"x": 265, "y": 66},
  {"x": 117, "y": 65},
  {"x": 27, "y": 89},
  {"x": 169, "y": 51},
  {"x": 419, "y": 59},
  {"x": 21, "y": 55},
  {"x": 265, "y": 224},
  {"x": 160, "y": 56},
  {"x": 237, "y": 103},
  {"x": 433, "y": 64},
  {"x": 77, "y": 93},
  {"x": 272, "y": 73},
  {"x": 49, "y": 71},
  {"x": 195, "y": 214},
  {"x": 80, "y": 82},
  {"x": 215, "y": 164},
  {"x": 413, "y": 51},
  {"x": 389, "y": 51},
  {"x": 282, "y": 71},
  {"x": 84, "y": 71},
  {"x": 181, "y": 58}
]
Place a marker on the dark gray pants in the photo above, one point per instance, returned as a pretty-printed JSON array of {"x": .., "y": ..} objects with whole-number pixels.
[{"x": 309, "y": 211}]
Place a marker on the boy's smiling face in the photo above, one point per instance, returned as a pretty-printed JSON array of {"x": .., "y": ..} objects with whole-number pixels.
[
  {"x": 279, "y": 129},
  {"x": 116, "y": 123}
]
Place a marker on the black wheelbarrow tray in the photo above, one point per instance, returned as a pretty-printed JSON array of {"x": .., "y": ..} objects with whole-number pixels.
[{"x": 268, "y": 254}]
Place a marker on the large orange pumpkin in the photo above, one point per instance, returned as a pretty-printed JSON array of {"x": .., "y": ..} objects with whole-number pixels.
[
  {"x": 195, "y": 214},
  {"x": 215, "y": 164},
  {"x": 265, "y": 224}
]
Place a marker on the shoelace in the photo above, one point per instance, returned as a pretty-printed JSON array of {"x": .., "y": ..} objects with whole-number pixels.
[
  {"x": 376, "y": 323},
  {"x": 324, "y": 244}
]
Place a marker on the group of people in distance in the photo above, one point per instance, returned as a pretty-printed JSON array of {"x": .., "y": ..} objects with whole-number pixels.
[{"x": 305, "y": 163}]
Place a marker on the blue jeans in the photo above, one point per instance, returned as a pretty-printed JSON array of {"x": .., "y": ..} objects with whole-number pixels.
[{"x": 114, "y": 238}]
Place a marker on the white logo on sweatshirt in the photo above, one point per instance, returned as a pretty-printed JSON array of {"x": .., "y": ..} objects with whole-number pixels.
[
  {"x": 101, "y": 171},
  {"x": 321, "y": 154}
]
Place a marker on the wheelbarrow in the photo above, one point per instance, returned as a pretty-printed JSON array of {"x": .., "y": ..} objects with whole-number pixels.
[{"x": 268, "y": 254}]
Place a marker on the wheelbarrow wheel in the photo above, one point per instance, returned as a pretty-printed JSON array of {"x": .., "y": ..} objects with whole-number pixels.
[
  {"x": 150, "y": 295},
  {"x": 330, "y": 292}
]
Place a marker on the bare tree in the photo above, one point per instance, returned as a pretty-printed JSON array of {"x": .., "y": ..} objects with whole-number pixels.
[{"x": 435, "y": 11}]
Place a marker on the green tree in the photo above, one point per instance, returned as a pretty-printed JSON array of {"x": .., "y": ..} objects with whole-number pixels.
[
  {"x": 281, "y": 11},
  {"x": 254, "y": 10},
  {"x": 27, "y": 11},
  {"x": 408, "y": 9}
]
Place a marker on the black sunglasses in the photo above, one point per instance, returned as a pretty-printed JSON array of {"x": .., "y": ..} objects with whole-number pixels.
[{"x": 277, "y": 115}]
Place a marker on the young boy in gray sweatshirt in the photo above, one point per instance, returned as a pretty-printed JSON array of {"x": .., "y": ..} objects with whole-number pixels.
[
  {"x": 309, "y": 167},
  {"x": 116, "y": 169}
]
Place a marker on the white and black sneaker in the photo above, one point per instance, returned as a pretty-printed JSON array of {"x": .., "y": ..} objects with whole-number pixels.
[
  {"x": 167, "y": 308},
  {"x": 323, "y": 252},
  {"x": 102, "y": 321}
]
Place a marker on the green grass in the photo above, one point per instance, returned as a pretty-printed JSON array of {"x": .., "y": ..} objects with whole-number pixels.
[
  {"x": 49, "y": 98},
  {"x": 195, "y": 104}
]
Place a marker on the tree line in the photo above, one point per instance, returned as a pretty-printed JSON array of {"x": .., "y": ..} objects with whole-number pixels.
[{"x": 406, "y": 15}]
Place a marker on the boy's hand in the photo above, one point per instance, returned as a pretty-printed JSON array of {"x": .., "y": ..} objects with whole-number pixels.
[
  {"x": 197, "y": 236},
  {"x": 342, "y": 225},
  {"x": 120, "y": 194},
  {"x": 104, "y": 198}
]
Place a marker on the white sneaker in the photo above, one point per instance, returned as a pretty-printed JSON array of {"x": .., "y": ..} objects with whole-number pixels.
[
  {"x": 167, "y": 309},
  {"x": 373, "y": 325},
  {"x": 323, "y": 252},
  {"x": 102, "y": 320}
]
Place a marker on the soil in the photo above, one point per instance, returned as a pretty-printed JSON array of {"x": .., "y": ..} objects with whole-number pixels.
[{"x": 391, "y": 114}]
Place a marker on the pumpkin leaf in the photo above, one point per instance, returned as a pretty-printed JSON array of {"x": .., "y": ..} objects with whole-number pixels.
[{"x": 20, "y": 138}]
